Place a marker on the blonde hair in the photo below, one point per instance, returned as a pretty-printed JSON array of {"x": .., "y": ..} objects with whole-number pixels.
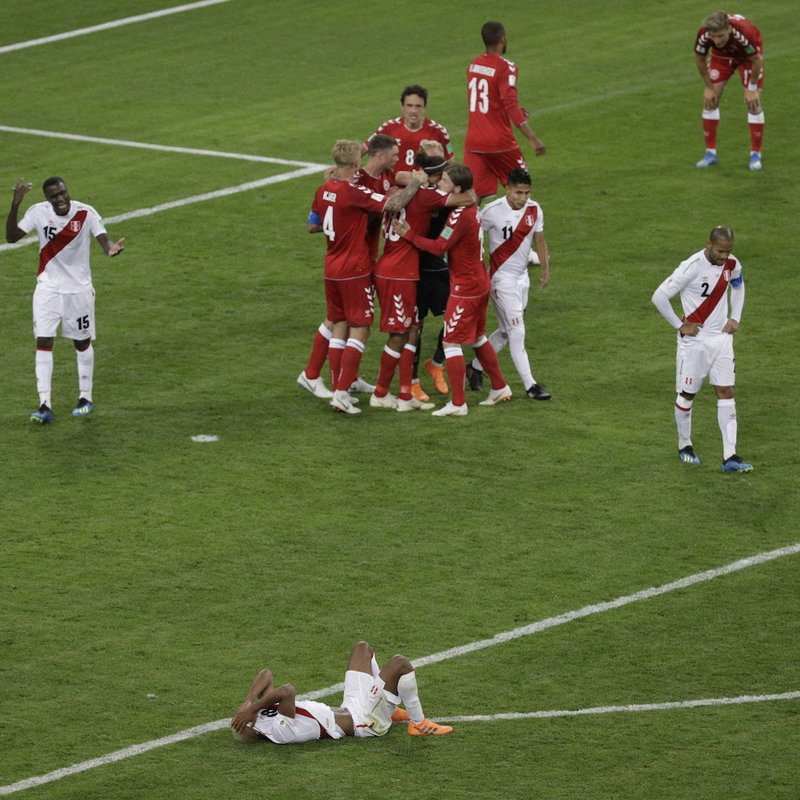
[
  {"x": 347, "y": 153},
  {"x": 717, "y": 22}
]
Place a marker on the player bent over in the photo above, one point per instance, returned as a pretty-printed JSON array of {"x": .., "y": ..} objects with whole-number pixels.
[
  {"x": 513, "y": 223},
  {"x": 370, "y": 704},
  {"x": 465, "y": 318},
  {"x": 64, "y": 293},
  {"x": 735, "y": 44},
  {"x": 705, "y": 338}
]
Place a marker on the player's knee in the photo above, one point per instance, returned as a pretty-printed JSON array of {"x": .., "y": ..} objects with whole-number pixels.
[
  {"x": 82, "y": 344},
  {"x": 401, "y": 663},
  {"x": 517, "y": 332}
]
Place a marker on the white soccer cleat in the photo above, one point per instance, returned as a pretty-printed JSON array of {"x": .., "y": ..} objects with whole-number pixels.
[
  {"x": 413, "y": 405},
  {"x": 341, "y": 401},
  {"x": 316, "y": 387},
  {"x": 449, "y": 410},
  {"x": 497, "y": 396},
  {"x": 387, "y": 401},
  {"x": 360, "y": 385}
]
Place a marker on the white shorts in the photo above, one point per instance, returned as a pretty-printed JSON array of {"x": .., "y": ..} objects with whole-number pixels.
[
  {"x": 705, "y": 356},
  {"x": 74, "y": 312},
  {"x": 366, "y": 700},
  {"x": 510, "y": 299}
]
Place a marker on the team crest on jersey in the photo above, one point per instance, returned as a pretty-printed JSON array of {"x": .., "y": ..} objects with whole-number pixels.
[
  {"x": 74, "y": 225},
  {"x": 529, "y": 220}
]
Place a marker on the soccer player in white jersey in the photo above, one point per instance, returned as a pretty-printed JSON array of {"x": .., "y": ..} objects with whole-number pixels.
[
  {"x": 370, "y": 705},
  {"x": 513, "y": 224},
  {"x": 64, "y": 294},
  {"x": 705, "y": 338}
]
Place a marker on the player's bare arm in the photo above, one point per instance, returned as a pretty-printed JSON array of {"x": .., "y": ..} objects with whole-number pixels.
[
  {"x": 752, "y": 97},
  {"x": 282, "y": 696},
  {"x": 536, "y": 143},
  {"x": 468, "y": 198},
  {"x": 544, "y": 257},
  {"x": 13, "y": 233},
  {"x": 110, "y": 248},
  {"x": 402, "y": 199},
  {"x": 711, "y": 92}
]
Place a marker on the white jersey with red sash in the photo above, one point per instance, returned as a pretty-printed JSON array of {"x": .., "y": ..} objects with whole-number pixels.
[
  {"x": 312, "y": 721},
  {"x": 64, "y": 243},
  {"x": 703, "y": 287},
  {"x": 510, "y": 235}
]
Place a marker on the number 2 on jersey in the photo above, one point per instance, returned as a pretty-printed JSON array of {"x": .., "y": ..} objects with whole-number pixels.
[{"x": 478, "y": 95}]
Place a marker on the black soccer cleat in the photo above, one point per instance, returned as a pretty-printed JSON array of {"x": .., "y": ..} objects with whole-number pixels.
[
  {"x": 537, "y": 392},
  {"x": 475, "y": 378}
]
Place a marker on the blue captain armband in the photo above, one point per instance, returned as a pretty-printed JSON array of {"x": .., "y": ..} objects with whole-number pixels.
[
  {"x": 316, "y": 219},
  {"x": 737, "y": 282}
]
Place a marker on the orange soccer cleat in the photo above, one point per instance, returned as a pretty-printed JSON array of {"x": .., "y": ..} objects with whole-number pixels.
[
  {"x": 437, "y": 373},
  {"x": 428, "y": 728},
  {"x": 419, "y": 393}
]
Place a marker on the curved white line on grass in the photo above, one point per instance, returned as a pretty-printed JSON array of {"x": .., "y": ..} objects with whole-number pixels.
[
  {"x": 161, "y": 148},
  {"x": 637, "y": 707},
  {"x": 198, "y": 198},
  {"x": 454, "y": 652},
  {"x": 58, "y": 37}
]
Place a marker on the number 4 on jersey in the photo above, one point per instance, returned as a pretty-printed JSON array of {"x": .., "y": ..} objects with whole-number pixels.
[{"x": 327, "y": 224}]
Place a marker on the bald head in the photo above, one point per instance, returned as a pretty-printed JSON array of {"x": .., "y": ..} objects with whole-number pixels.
[{"x": 721, "y": 233}]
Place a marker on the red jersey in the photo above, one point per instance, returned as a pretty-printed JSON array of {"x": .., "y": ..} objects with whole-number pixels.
[
  {"x": 344, "y": 210},
  {"x": 408, "y": 141},
  {"x": 743, "y": 43},
  {"x": 461, "y": 240},
  {"x": 400, "y": 259},
  {"x": 381, "y": 185},
  {"x": 493, "y": 106}
]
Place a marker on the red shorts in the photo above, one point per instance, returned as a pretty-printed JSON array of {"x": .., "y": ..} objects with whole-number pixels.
[
  {"x": 398, "y": 301},
  {"x": 488, "y": 168},
  {"x": 350, "y": 300},
  {"x": 465, "y": 319},
  {"x": 721, "y": 69}
]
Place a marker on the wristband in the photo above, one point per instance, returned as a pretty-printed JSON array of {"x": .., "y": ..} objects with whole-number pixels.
[{"x": 752, "y": 87}]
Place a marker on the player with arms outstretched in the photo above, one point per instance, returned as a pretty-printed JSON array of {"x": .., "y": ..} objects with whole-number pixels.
[
  {"x": 734, "y": 44},
  {"x": 64, "y": 293},
  {"x": 705, "y": 339}
]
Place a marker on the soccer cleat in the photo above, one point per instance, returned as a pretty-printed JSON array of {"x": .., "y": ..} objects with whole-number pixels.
[
  {"x": 316, "y": 386},
  {"x": 437, "y": 373},
  {"x": 735, "y": 464},
  {"x": 400, "y": 715},
  {"x": 83, "y": 407},
  {"x": 755, "y": 162},
  {"x": 387, "y": 401},
  {"x": 537, "y": 392},
  {"x": 360, "y": 385},
  {"x": 449, "y": 410},
  {"x": 708, "y": 160},
  {"x": 497, "y": 396},
  {"x": 413, "y": 405},
  {"x": 341, "y": 401},
  {"x": 419, "y": 393},
  {"x": 475, "y": 378},
  {"x": 688, "y": 456},
  {"x": 428, "y": 728},
  {"x": 43, "y": 415}
]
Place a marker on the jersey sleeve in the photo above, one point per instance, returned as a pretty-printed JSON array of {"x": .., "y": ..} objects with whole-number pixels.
[
  {"x": 507, "y": 86},
  {"x": 538, "y": 226},
  {"x": 96, "y": 227},
  {"x": 447, "y": 238},
  {"x": 678, "y": 281},
  {"x": 702, "y": 43},
  {"x": 736, "y": 275},
  {"x": 28, "y": 221},
  {"x": 368, "y": 200}
]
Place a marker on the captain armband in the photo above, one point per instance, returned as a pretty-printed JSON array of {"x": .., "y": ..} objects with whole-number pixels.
[
  {"x": 314, "y": 218},
  {"x": 737, "y": 282}
]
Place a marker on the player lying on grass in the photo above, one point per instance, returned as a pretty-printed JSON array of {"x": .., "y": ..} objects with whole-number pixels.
[{"x": 369, "y": 706}]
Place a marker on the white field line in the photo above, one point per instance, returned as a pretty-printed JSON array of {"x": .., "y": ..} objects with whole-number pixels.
[
  {"x": 637, "y": 707},
  {"x": 58, "y": 37},
  {"x": 163, "y": 148},
  {"x": 185, "y": 201},
  {"x": 536, "y": 627}
]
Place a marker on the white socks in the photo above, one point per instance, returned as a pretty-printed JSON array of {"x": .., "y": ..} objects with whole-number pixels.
[
  {"x": 85, "y": 372},
  {"x": 726, "y": 417},
  {"x": 407, "y": 689},
  {"x": 44, "y": 376},
  {"x": 683, "y": 420}
]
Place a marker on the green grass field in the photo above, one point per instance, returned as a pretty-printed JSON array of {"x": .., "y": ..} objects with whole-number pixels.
[{"x": 137, "y": 562}]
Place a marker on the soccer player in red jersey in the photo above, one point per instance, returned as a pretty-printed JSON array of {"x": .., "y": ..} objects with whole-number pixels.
[
  {"x": 734, "y": 44},
  {"x": 341, "y": 211},
  {"x": 490, "y": 150},
  {"x": 412, "y": 127},
  {"x": 465, "y": 319},
  {"x": 396, "y": 278}
]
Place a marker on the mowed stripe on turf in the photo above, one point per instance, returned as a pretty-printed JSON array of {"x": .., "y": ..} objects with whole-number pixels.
[{"x": 500, "y": 638}]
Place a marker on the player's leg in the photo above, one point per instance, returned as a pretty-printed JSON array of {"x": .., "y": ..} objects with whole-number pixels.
[
  {"x": 755, "y": 119},
  {"x": 691, "y": 368},
  {"x": 79, "y": 325},
  {"x": 722, "y": 376},
  {"x": 47, "y": 315},
  {"x": 719, "y": 70},
  {"x": 439, "y": 293},
  {"x": 484, "y": 180},
  {"x": 310, "y": 378},
  {"x": 392, "y": 351},
  {"x": 357, "y": 298}
]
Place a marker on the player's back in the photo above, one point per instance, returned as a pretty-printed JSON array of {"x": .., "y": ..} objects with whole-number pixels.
[
  {"x": 468, "y": 276},
  {"x": 492, "y": 96}
]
